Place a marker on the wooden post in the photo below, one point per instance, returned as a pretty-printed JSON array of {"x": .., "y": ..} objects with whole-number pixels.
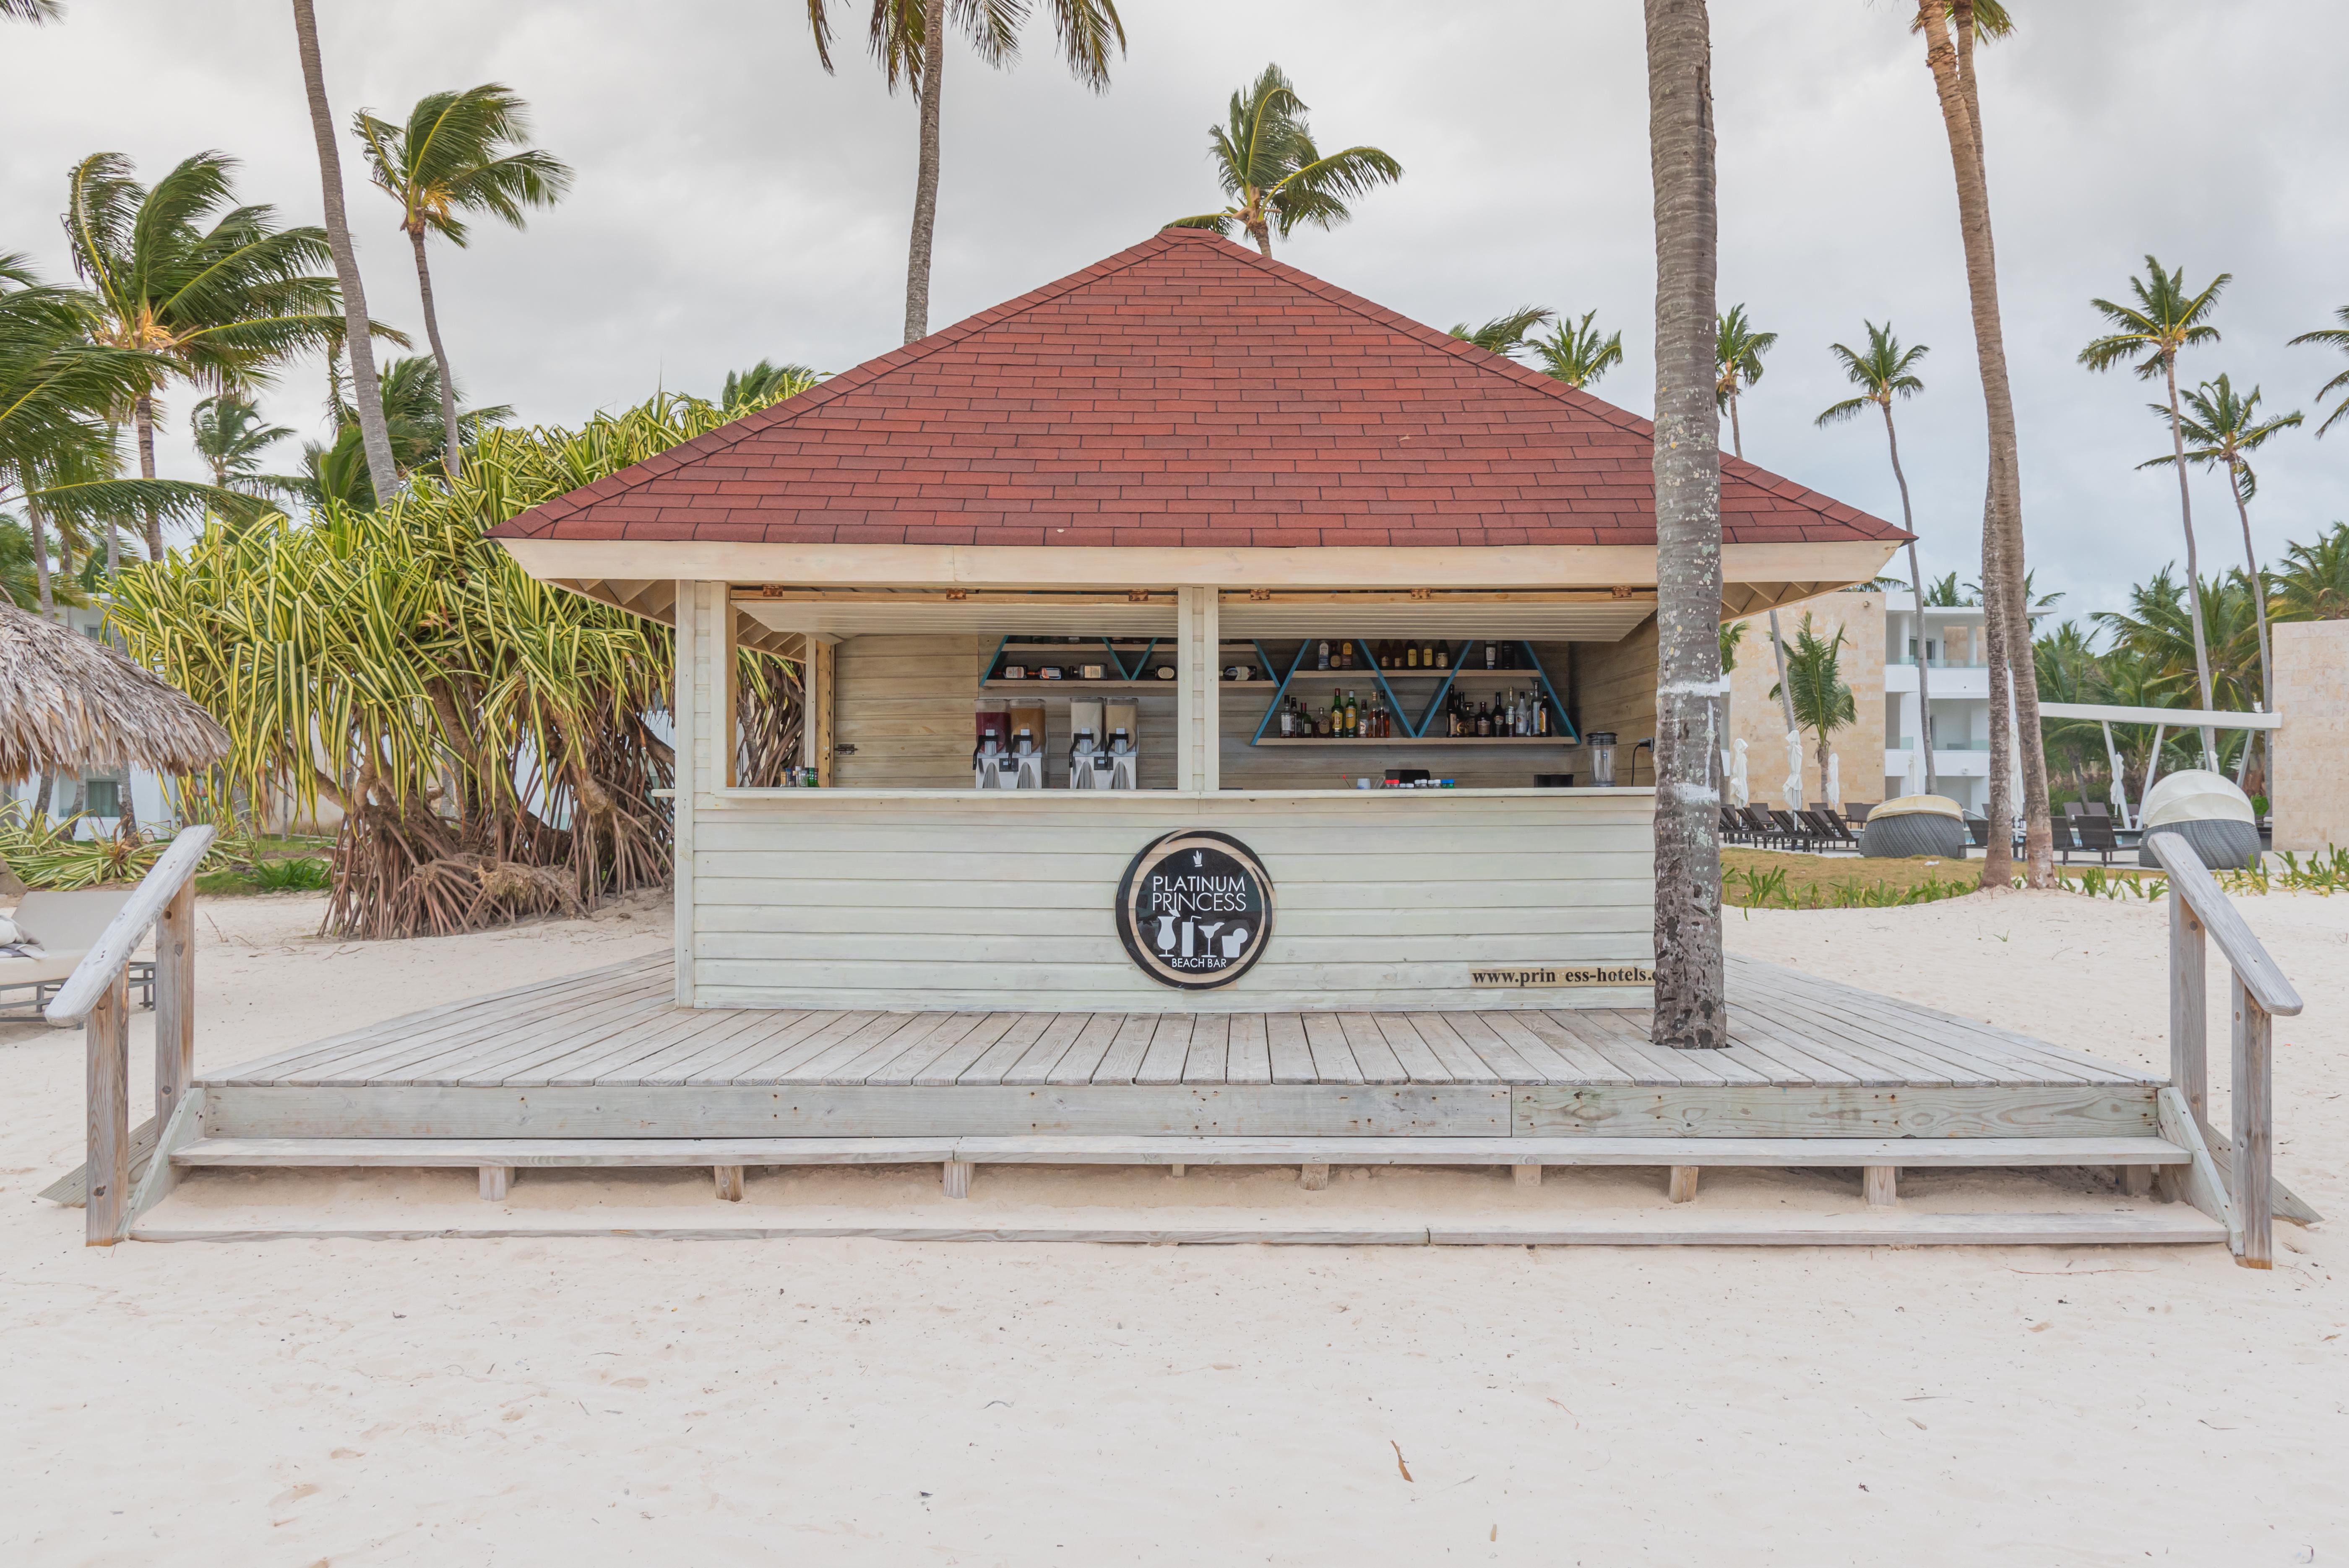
[
  {"x": 496, "y": 1181},
  {"x": 687, "y": 720},
  {"x": 175, "y": 1002},
  {"x": 1881, "y": 1184},
  {"x": 1313, "y": 1176},
  {"x": 1528, "y": 1174},
  {"x": 726, "y": 695},
  {"x": 957, "y": 1178},
  {"x": 1198, "y": 640},
  {"x": 2251, "y": 1165},
  {"x": 1175, "y": 1167},
  {"x": 817, "y": 683},
  {"x": 1682, "y": 1189},
  {"x": 730, "y": 1182},
  {"x": 2136, "y": 1180},
  {"x": 106, "y": 1038},
  {"x": 2189, "y": 1012}
]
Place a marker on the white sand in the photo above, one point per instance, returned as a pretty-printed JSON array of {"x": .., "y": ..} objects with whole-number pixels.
[{"x": 600, "y": 1400}]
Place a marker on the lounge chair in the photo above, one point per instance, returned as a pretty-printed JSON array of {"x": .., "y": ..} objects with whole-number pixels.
[
  {"x": 2063, "y": 828},
  {"x": 59, "y": 928},
  {"x": 1977, "y": 832},
  {"x": 1827, "y": 831},
  {"x": 2097, "y": 835},
  {"x": 1855, "y": 812}
]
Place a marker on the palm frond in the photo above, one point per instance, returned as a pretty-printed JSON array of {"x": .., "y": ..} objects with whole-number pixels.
[{"x": 1504, "y": 333}]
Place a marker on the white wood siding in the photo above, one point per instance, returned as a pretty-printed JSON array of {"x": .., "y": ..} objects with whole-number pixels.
[{"x": 832, "y": 898}]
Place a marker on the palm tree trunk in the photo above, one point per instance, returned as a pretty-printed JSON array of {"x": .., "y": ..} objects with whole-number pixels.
[
  {"x": 1998, "y": 854},
  {"x": 41, "y": 555},
  {"x": 1691, "y": 1010},
  {"x": 1262, "y": 235},
  {"x": 1917, "y": 586},
  {"x": 374, "y": 435},
  {"x": 926, "y": 175},
  {"x": 2008, "y": 625},
  {"x": 1736, "y": 435},
  {"x": 2193, "y": 570},
  {"x": 2259, "y": 604},
  {"x": 451, "y": 459},
  {"x": 142, "y": 421}
]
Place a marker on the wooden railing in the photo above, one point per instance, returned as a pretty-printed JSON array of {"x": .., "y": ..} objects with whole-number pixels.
[
  {"x": 2257, "y": 995},
  {"x": 98, "y": 997}
]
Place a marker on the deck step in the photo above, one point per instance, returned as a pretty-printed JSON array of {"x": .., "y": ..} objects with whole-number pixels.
[
  {"x": 2174, "y": 1225},
  {"x": 679, "y": 1153}
]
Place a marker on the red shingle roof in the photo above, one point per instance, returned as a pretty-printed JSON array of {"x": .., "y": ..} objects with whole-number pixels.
[{"x": 1185, "y": 392}]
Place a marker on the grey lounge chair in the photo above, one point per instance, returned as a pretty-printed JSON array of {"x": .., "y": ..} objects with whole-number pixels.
[{"x": 63, "y": 927}]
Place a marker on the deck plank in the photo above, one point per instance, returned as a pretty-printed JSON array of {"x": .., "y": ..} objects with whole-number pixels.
[
  {"x": 763, "y": 1057},
  {"x": 396, "y": 1054},
  {"x": 990, "y": 1067},
  {"x": 683, "y": 1027},
  {"x": 1086, "y": 1054},
  {"x": 1170, "y": 1048},
  {"x": 1500, "y": 1058},
  {"x": 1210, "y": 1054},
  {"x": 910, "y": 1062},
  {"x": 737, "y": 1030},
  {"x": 1554, "y": 1056},
  {"x": 1123, "y": 1057},
  {"x": 1248, "y": 1057},
  {"x": 1035, "y": 1063},
  {"x": 1911, "y": 1065},
  {"x": 1372, "y": 1055},
  {"x": 816, "y": 1067},
  {"x": 950, "y": 1064},
  {"x": 1292, "y": 1058},
  {"x": 1333, "y": 1059},
  {"x": 1421, "y": 1060}
]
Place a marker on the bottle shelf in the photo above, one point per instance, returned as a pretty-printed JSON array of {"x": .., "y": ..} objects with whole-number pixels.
[
  {"x": 1559, "y": 742},
  {"x": 1153, "y": 684},
  {"x": 1362, "y": 677}
]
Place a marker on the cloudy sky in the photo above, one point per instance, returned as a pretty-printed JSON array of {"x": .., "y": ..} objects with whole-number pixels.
[{"x": 733, "y": 201}]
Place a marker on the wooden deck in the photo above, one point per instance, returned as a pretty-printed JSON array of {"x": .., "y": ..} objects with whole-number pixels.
[{"x": 607, "y": 1054}]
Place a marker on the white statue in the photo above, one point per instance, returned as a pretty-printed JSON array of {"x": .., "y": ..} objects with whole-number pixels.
[
  {"x": 1739, "y": 791},
  {"x": 1794, "y": 787}
]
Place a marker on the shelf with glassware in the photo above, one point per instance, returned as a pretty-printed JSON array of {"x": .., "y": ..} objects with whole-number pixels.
[
  {"x": 1449, "y": 715},
  {"x": 1118, "y": 664}
]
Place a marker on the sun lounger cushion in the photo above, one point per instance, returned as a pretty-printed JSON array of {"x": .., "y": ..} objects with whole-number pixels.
[
  {"x": 2223, "y": 845},
  {"x": 1906, "y": 834},
  {"x": 61, "y": 928}
]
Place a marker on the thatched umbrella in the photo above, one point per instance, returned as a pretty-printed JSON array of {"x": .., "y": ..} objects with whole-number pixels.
[{"x": 70, "y": 702}]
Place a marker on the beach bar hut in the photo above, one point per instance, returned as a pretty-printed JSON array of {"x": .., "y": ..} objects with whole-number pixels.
[
  {"x": 1210, "y": 494},
  {"x": 1225, "y": 744}
]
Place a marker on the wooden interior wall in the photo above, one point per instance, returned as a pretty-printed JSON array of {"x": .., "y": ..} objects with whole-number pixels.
[{"x": 1614, "y": 687}]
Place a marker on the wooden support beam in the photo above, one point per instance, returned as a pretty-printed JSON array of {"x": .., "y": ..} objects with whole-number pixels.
[
  {"x": 105, "y": 1040},
  {"x": 1682, "y": 1187},
  {"x": 730, "y": 1182},
  {"x": 2251, "y": 1157},
  {"x": 2136, "y": 1180},
  {"x": 1314, "y": 1176},
  {"x": 1175, "y": 1169},
  {"x": 958, "y": 1177},
  {"x": 2188, "y": 1010},
  {"x": 1527, "y": 1175},
  {"x": 175, "y": 1001},
  {"x": 1881, "y": 1183},
  {"x": 497, "y": 1181}
]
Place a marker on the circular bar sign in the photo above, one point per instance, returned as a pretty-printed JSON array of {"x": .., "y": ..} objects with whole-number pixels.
[{"x": 1194, "y": 909}]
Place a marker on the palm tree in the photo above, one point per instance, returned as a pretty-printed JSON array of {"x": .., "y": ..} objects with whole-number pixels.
[
  {"x": 898, "y": 31},
  {"x": 1276, "y": 179},
  {"x": 1691, "y": 1007},
  {"x": 1575, "y": 353},
  {"x": 763, "y": 383},
  {"x": 1737, "y": 351},
  {"x": 33, "y": 11},
  {"x": 228, "y": 433},
  {"x": 412, "y": 407},
  {"x": 1949, "y": 28},
  {"x": 2225, "y": 427},
  {"x": 218, "y": 306},
  {"x": 459, "y": 153},
  {"x": 364, "y": 395},
  {"x": 2165, "y": 318},
  {"x": 58, "y": 390},
  {"x": 2336, "y": 337},
  {"x": 1504, "y": 333},
  {"x": 1884, "y": 371},
  {"x": 1815, "y": 686},
  {"x": 2314, "y": 582}
]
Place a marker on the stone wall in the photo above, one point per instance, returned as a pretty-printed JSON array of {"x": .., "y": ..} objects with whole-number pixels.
[
  {"x": 1756, "y": 718},
  {"x": 2311, "y": 790}
]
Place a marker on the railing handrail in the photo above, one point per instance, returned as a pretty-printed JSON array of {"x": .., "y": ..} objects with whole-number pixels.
[
  {"x": 111, "y": 953},
  {"x": 2190, "y": 881}
]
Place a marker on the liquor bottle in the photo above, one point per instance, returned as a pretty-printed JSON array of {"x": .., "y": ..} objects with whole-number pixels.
[
  {"x": 1324, "y": 654},
  {"x": 1288, "y": 719},
  {"x": 1411, "y": 655},
  {"x": 1386, "y": 653},
  {"x": 1353, "y": 718},
  {"x": 1483, "y": 720},
  {"x": 1443, "y": 655},
  {"x": 1492, "y": 654},
  {"x": 1345, "y": 655}
]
